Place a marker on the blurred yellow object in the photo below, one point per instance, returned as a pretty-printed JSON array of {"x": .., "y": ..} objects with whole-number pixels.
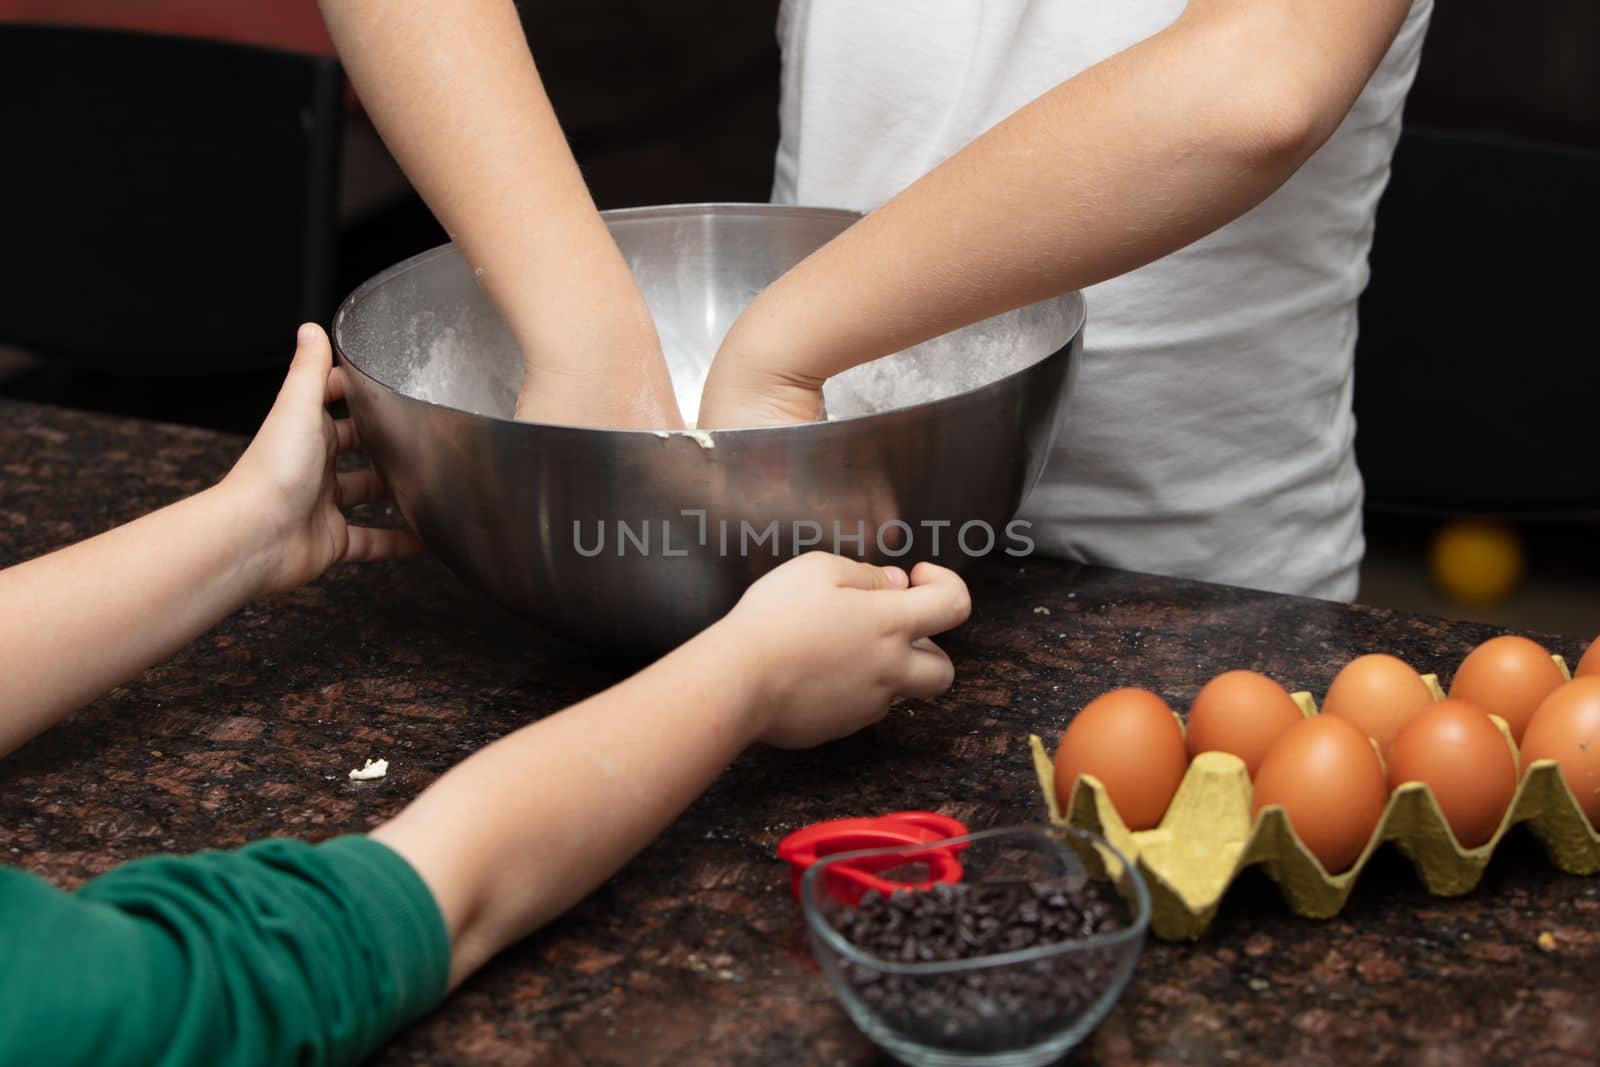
[{"x": 1477, "y": 562}]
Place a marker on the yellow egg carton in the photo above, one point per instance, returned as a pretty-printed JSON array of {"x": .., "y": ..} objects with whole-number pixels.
[{"x": 1208, "y": 836}]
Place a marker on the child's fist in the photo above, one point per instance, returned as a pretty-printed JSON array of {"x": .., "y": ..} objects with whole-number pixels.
[{"x": 832, "y": 641}]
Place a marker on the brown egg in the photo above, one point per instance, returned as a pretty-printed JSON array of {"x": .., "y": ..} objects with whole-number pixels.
[
  {"x": 1131, "y": 741},
  {"x": 1241, "y": 712},
  {"x": 1590, "y": 663},
  {"x": 1566, "y": 728},
  {"x": 1377, "y": 694},
  {"x": 1328, "y": 779},
  {"x": 1507, "y": 676},
  {"x": 1455, "y": 750}
]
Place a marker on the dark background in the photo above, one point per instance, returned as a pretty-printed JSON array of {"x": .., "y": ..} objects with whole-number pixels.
[
  {"x": 678, "y": 102},
  {"x": 1476, "y": 381}
]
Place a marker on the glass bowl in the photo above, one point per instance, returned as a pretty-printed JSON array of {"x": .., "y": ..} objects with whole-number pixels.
[{"x": 1012, "y": 965}]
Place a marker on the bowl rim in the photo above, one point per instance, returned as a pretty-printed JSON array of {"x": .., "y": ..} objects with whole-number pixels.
[
  {"x": 404, "y": 266},
  {"x": 822, "y": 928}
]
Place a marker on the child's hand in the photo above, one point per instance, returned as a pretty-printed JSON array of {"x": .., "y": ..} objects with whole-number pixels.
[
  {"x": 590, "y": 353},
  {"x": 748, "y": 386},
  {"x": 831, "y": 641},
  {"x": 287, "y": 482}
]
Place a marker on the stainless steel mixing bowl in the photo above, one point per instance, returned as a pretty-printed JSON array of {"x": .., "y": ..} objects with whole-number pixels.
[{"x": 638, "y": 538}]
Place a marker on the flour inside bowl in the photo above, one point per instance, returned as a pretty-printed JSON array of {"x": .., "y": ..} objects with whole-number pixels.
[
  {"x": 437, "y": 367},
  {"x": 688, "y": 357},
  {"x": 439, "y": 361},
  {"x": 943, "y": 367},
  {"x": 457, "y": 353}
]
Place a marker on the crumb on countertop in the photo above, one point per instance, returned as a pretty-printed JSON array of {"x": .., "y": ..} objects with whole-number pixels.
[{"x": 370, "y": 770}]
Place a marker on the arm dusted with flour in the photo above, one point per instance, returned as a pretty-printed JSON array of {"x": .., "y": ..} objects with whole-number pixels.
[
  {"x": 1134, "y": 158},
  {"x": 452, "y": 87}
]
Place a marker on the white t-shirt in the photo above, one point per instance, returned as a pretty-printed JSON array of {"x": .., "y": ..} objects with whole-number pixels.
[{"x": 1209, "y": 433}]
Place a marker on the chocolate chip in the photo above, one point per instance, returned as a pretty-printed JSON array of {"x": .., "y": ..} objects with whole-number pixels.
[{"x": 986, "y": 1008}]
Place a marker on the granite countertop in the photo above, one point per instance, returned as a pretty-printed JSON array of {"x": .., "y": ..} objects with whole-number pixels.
[{"x": 695, "y": 952}]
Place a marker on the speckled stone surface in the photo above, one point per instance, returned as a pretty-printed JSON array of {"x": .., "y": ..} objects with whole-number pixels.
[{"x": 695, "y": 952}]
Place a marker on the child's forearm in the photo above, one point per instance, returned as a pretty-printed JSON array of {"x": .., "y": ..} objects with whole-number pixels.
[
  {"x": 80, "y": 620},
  {"x": 813, "y": 651},
  {"x": 453, "y": 89},
  {"x": 1129, "y": 161},
  {"x": 519, "y": 832}
]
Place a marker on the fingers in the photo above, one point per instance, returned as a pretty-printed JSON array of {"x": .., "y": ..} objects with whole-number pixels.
[
  {"x": 360, "y": 487},
  {"x": 928, "y": 672},
  {"x": 304, "y": 385},
  {"x": 346, "y": 438},
  {"x": 312, "y": 342},
  {"x": 926, "y": 572},
  {"x": 367, "y": 544},
  {"x": 313, "y": 362},
  {"x": 937, "y": 601},
  {"x": 853, "y": 574},
  {"x": 932, "y": 599},
  {"x": 336, "y": 383}
]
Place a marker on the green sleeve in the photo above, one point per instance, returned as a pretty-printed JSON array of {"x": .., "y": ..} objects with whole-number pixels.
[{"x": 281, "y": 953}]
